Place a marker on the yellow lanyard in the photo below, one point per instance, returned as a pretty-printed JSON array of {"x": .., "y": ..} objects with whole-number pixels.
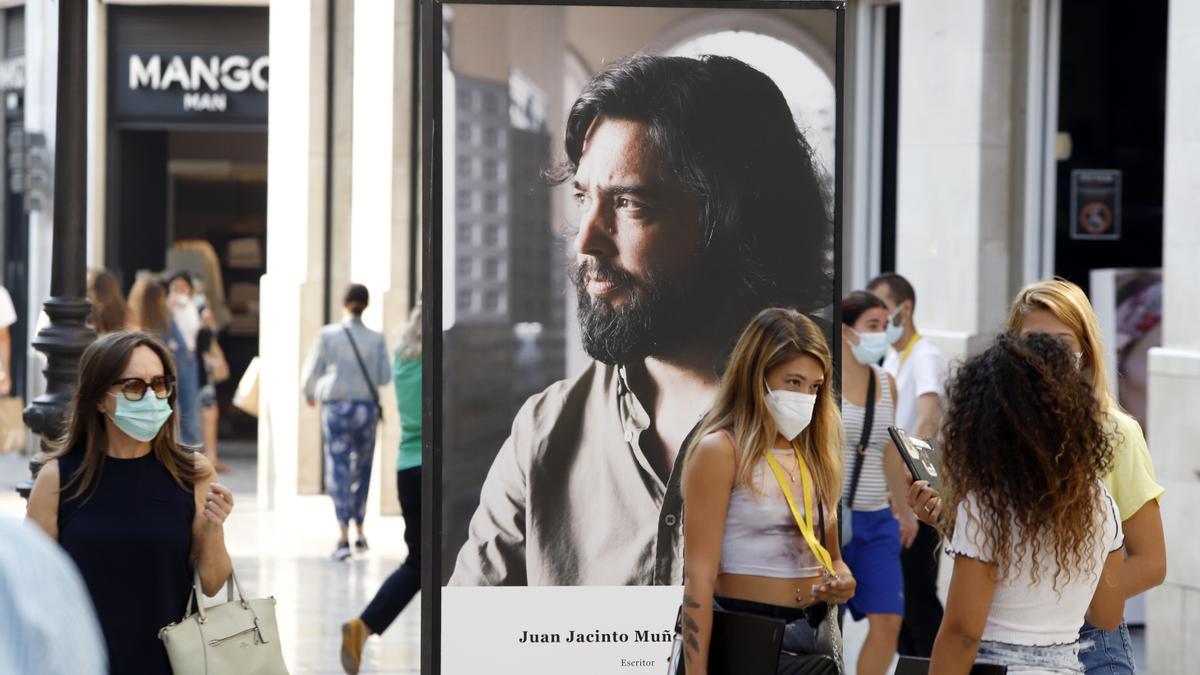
[
  {"x": 805, "y": 523},
  {"x": 907, "y": 350}
]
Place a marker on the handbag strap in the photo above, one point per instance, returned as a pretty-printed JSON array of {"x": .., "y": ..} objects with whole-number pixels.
[
  {"x": 363, "y": 367},
  {"x": 865, "y": 439},
  {"x": 194, "y": 598}
]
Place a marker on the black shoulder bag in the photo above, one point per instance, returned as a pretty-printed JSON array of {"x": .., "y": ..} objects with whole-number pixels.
[
  {"x": 846, "y": 506},
  {"x": 366, "y": 376}
]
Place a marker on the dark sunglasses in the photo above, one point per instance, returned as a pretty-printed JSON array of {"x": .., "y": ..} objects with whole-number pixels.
[{"x": 135, "y": 388}]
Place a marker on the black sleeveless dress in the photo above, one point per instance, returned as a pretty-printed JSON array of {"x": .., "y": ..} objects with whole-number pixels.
[{"x": 132, "y": 541}]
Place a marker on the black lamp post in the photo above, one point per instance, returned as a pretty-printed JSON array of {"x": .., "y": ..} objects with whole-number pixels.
[{"x": 67, "y": 335}]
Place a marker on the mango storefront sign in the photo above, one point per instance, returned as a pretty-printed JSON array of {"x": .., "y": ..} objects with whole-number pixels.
[{"x": 190, "y": 88}]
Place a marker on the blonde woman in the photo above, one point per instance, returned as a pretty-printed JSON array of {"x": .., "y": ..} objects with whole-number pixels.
[
  {"x": 1060, "y": 308},
  {"x": 774, "y": 426}
]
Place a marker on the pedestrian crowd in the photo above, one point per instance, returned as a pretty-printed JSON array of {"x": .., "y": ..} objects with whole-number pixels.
[{"x": 1047, "y": 503}]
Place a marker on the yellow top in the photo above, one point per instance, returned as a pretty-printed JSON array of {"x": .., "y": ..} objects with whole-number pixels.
[{"x": 1131, "y": 481}]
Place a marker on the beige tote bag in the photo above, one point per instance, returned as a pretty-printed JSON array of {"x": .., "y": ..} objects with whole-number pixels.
[{"x": 237, "y": 637}]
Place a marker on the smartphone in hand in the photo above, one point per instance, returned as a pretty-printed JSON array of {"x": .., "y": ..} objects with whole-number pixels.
[{"x": 921, "y": 456}]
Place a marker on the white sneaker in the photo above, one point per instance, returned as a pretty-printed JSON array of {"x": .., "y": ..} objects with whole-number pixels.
[{"x": 342, "y": 552}]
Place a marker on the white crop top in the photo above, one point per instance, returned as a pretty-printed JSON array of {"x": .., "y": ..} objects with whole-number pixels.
[
  {"x": 1025, "y": 613},
  {"x": 761, "y": 535}
]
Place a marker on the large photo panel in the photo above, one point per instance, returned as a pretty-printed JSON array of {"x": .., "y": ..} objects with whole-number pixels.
[{"x": 617, "y": 190}]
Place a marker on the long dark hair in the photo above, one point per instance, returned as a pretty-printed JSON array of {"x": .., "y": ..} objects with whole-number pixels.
[
  {"x": 857, "y": 302},
  {"x": 109, "y": 309},
  {"x": 726, "y": 134},
  {"x": 1023, "y": 435},
  {"x": 148, "y": 298},
  {"x": 102, "y": 363}
]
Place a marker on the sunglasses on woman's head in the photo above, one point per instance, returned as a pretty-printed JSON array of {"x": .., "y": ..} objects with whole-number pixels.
[{"x": 134, "y": 388}]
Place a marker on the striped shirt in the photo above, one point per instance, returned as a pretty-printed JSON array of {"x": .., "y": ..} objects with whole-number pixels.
[
  {"x": 47, "y": 624},
  {"x": 872, "y": 485}
]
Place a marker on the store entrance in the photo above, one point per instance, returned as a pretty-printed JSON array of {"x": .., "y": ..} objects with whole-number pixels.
[
  {"x": 197, "y": 201},
  {"x": 1112, "y": 118}
]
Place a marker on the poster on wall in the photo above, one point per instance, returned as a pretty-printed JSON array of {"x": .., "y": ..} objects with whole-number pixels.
[
  {"x": 1096, "y": 204},
  {"x": 1128, "y": 306},
  {"x": 612, "y": 192}
]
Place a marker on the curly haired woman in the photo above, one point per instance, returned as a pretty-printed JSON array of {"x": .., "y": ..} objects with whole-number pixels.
[
  {"x": 1060, "y": 308},
  {"x": 1035, "y": 535}
]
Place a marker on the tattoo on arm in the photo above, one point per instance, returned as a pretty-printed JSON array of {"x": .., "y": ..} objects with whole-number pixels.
[{"x": 690, "y": 629}]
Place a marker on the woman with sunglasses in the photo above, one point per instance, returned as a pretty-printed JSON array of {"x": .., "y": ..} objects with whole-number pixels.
[
  {"x": 762, "y": 477},
  {"x": 135, "y": 510}
]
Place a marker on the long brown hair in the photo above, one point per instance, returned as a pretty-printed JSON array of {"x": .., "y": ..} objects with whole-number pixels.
[
  {"x": 110, "y": 312},
  {"x": 774, "y": 337},
  {"x": 102, "y": 363},
  {"x": 1022, "y": 438},
  {"x": 148, "y": 299}
]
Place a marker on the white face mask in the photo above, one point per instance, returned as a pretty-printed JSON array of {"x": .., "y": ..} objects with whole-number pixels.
[
  {"x": 870, "y": 348},
  {"x": 895, "y": 329},
  {"x": 792, "y": 411}
]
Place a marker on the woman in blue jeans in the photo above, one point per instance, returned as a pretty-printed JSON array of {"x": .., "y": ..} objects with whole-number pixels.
[{"x": 403, "y": 584}]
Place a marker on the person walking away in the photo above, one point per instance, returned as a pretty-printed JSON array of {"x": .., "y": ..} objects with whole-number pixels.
[
  {"x": 110, "y": 312},
  {"x": 344, "y": 369},
  {"x": 134, "y": 509},
  {"x": 872, "y": 470},
  {"x": 399, "y": 588},
  {"x": 1036, "y": 538},
  {"x": 919, "y": 369},
  {"x": 148, "y": 302}
]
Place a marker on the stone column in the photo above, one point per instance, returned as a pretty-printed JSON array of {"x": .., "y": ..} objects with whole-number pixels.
[
  {"x": 1173, "y": 609},
  {"x": 380, "y": 216},
  {"x": 289, "y": 440},
  {"x": 953, "y": 192}
]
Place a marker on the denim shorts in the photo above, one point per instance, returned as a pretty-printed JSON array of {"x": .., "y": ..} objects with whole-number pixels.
[
  {"x": 1107, "y": 652},
  {"x": 1032, "y": 659}
]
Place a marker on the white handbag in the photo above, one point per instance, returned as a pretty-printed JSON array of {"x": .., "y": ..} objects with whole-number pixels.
[{"x": 237, "y": 637}]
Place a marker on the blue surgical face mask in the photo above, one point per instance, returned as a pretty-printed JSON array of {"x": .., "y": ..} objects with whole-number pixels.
[
  {"x": 895, "y": 330},
  {"x": 870, "y": 348},
  {"x": 141, "y": 420}
]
